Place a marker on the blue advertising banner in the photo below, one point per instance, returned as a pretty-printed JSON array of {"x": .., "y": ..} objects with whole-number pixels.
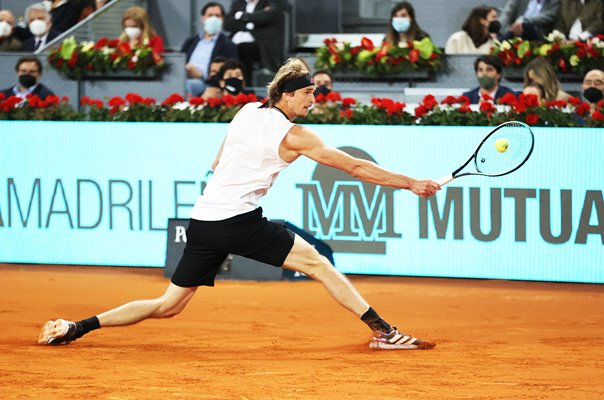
[{"x": 102, "y": 194}]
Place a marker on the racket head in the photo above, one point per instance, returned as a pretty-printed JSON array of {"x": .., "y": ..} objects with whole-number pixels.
[{"x": 493, "y": 158}]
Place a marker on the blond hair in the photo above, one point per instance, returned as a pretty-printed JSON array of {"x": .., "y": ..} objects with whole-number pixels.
[
  {"x": 292, "y": 69},
  {"x": 545, "y": 75},
  {"x": 140, "y": 16}
]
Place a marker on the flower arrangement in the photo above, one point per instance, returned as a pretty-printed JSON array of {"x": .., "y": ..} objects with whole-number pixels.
[
  {"x": 330, "y": 109},
  {"x": 564, "y": 55},
  {"x": 418, "y": 55},
  {"x": 105, "y": 56}
]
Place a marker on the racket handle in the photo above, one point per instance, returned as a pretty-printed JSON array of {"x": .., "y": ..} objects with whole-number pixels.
[{"x": 445, "y": 179}]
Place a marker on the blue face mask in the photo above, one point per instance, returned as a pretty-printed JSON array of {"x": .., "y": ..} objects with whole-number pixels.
[
  {"x": 401, "y": 24},
  {"x": 212, "y": 25}
]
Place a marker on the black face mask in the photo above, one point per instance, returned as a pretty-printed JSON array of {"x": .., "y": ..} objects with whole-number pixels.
[
  {"x": 27, "y": 80},
  {"x": 213, "y": 81},
  {"x": 324, "y": 90},
  {"x": 593, "y": 95},
  {"x": 233, "y": 85},
  {"x": 494, "y": 26}
]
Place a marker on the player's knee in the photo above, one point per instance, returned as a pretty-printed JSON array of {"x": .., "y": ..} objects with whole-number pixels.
[
  {"x": 167, "y": 309},
  {"x": 319, "y": 267}
]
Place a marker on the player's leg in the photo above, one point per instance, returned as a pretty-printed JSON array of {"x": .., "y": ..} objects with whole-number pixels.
[
  {"x": 172, "y": 302},
  {"x": 306, "y": 259}
]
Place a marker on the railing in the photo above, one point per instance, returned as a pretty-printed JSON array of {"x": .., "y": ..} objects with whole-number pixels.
[{"x": 105, "y": 22}]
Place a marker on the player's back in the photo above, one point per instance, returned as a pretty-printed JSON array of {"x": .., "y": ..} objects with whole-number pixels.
[{"x": 248, "y": 165}]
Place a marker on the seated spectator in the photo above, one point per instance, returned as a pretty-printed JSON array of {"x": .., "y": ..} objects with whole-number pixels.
[
  {"x": 593, "y": 87},
  {"x": 29, "y": 73},
  {"x": 258, "y": 31},
  {"x": 403, "y": 26},
  {"x": 205, "y": 46},
  {"x": 40, "y": 25},
  {"x": 232, "y": 81},
  {"x": 539, "y": 70},
  {"x": 529, "y": 19},
  {"x": 478, "y": 33},
  {"x": 8, "y": 41},
  {"x": 213, "y": 88},
  {"x": 138, "y": 31},
  {"x": 580, "y": 19},
  {"x": 535, "y": 89},
  {"x": 323, "y": 82},
  {"x": 488, "y": 70}
]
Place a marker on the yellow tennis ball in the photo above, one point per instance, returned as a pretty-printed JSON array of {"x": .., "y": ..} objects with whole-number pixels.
[{"x": 502, "y": 145}]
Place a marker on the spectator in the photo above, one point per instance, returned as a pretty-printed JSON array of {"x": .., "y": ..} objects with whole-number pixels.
[
  {"x": 593, "y": 87},
  {"x": 535, "y": 89},
  {"x": 213, "y": 88},
  {"x": 403, "y": 26},
  {"x": 40, "y": 25},
  {"x": 66, "y": 13},
  {"x": 258, "y": 31},
  {"x": 580, "y": 19},
  {"x": 232, "y": 81},
  {"x": 539, "y": 70},
  {"x": 29, "y": 73},
  {"x": 8, "y": 41},
  {"x": 488, "y": 70},
  {"x": 529, "y": 19},
  {"x": 138, "y": 31},
  {"x": 323, "y": 82},
  {"x": 206, "y": 46},
  {"x": 477, "y": 34}
]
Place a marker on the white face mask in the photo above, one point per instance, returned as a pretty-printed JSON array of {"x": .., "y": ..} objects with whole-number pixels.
[
  {"x": 133, "y": 32},
  {"x": 212, "y": 25},
  {"x": 38, "y": 27},
  {"x": 5, "y": 29}
]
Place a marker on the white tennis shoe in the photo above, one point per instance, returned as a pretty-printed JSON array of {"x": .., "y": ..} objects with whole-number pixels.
[
  {"x": 395, "y": 340},
  {"x": 58, "y": 331}
]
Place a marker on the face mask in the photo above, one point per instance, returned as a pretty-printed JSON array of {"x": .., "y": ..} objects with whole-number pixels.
[
  {"x": 212, "y": 25},
  {"x": 233, "y": 85},
  {"x": 593, "y": 95},
  {"x": 37, "y": 27},
  {"x": 401, "y": 24},
  {"x": 133, "y": 32},
  {"x": 27, "y": 80},
  {"x": 213, "y": 81},
  {"x": 324, "y": 90},
  {"x": 494, "y": 26},
  {"x": 5, "y": 29},
  {"x": 486, "y": 82}
]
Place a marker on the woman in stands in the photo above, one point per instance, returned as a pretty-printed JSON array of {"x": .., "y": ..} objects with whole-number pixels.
[
  {"x": 540, "y": 71},
  {"x": 403, "y": 26},
  {"x": 477, "y": 34},
  {"x": 138, "y": 30}
]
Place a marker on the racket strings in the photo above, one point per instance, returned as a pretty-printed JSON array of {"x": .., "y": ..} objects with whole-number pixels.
[{"x": 492, "y": 159}]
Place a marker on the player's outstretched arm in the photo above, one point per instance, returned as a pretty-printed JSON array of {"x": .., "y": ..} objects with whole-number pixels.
[{"x": 303, "y": 141}]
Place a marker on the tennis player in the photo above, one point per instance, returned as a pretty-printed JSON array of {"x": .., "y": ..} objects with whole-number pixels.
[{"x": 261, "y": 141}]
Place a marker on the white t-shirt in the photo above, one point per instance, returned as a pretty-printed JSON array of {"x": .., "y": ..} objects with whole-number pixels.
[
  {"x": 461, "y": 43},
  {"x": 248, "y": 165}
]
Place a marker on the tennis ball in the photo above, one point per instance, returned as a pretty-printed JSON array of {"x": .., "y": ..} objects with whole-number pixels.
[{"x": 502, "y": 145}]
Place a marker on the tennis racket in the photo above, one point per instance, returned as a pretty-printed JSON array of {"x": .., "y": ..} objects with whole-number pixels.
[{"x": 505, "y": 149}]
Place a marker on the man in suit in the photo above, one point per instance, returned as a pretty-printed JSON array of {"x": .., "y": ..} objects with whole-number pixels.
[
  {"x": 39, "y": 22},
  {"x": 529, "y": 19},
  {"x": 258, "y": 31},
  {"x": 29, "y": 73},
  {"x": 581, "y": 19},
  {"x": 488, "y": 70},
  {"x": 206, "y": 46},
  {"x": 8, "y": 41}
]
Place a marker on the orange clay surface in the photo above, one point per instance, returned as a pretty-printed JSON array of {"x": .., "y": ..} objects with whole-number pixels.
[{"x": 290, "y": 340}]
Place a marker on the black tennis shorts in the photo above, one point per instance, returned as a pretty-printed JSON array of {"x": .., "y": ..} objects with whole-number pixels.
[{"x": 209, "y": 243}]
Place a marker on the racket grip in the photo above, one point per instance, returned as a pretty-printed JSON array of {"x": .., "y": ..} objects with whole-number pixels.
[{"x": 445, "y": 179}]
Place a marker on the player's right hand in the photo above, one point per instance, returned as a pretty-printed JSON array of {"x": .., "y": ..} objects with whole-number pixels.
[{"x": 425, "y": 187}]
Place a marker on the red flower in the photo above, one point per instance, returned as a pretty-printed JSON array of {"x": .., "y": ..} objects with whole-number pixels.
[
  {"x": 134, "y": 98},
  {"x": 113, "y": 43},
  {"x": 149, "y": 101},
  {"x": 131, "y": 64},
  {"x": 574, "y": 100},
  {"x": 582, "y": 109},
  {"x": 96, "y": 104},
  {"x": 124, "y": 48},
  {"x": 486, "y": 97},
  {"x": 102, "y": 42},
  {"x": 320, "y": 98},
  {"x": 597, "y": 115},
  {"x": 348, "y": 101},
  {"x": 464, "y": 100},
  {"x": 355, "y": 50},
  {"x": 413, "y": 56},
  {"x": 367, "y": 44},
  {"x": 465, "y": 108},
  {"x": 508, "y": 99},
  {"x": 347, "y": 113},
  {"x": 196, "y": 101},
  {"x": 73, "y": 61},
  {"x": 214, "y": 102},
  {"x": 116, "y": 102},
  {"x": 2, "y": 96},
  {"x": 420, "y": 111},
  {"x": 429, "y": 102},
  {"x": 334, "y": 96},
  {"x": 449, "y": 100},
  {"x": 487, "y": 107},
  {"x": 532, "y": 119},
  {"x": 529, "y": 100},
  {"x": 173, "y": 99}
]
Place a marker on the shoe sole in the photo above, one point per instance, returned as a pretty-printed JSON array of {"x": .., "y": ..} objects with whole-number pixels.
[
  {"x": 53, "y": 330},
  {"x": 390, "y": 346}
]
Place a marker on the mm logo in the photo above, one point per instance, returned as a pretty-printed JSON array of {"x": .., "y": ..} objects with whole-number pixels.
[{"x": 349, "y": 215}]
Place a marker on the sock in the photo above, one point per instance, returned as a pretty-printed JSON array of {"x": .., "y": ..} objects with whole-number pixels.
[
  {"x": 375, "y": 322},
  {"x": 86, "y": 325}
]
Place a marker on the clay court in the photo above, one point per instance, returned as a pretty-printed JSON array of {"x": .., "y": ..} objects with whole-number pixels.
[{"x": 289, "y": 340}]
